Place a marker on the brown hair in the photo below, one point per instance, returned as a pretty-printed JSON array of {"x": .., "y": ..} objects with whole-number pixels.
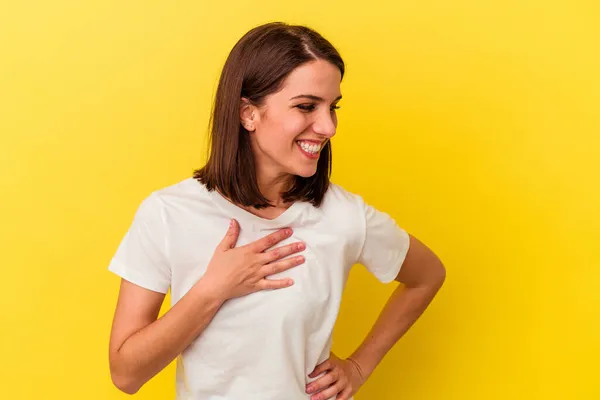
[{"x": 255, "y": 68}]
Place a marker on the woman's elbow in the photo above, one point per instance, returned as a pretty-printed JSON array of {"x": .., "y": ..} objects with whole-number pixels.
[
  {"x": 124, "y": 383},
  {"x": 122, "y": 380},
  {"x": 440, "y": 274},
  {"x": 435, "y": 274}
]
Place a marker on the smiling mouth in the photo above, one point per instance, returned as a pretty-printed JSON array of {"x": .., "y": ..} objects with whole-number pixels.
[{"x": 310, "y": 149}]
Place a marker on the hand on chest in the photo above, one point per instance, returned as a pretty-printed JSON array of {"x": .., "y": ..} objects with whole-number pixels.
[{"x": 318, "y": 282}]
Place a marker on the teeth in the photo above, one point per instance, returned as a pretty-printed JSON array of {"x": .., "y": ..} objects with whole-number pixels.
[{"x": 309, "y": 147}]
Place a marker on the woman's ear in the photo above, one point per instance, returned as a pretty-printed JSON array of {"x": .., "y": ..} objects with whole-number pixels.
[{"x": 247, "y": 114}]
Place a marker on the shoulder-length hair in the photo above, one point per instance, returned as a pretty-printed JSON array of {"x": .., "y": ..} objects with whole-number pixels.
[{"x": 255, "y": 68}]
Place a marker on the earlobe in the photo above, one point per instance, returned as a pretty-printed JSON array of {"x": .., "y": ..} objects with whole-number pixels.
[{"x": 247, "y": 114}]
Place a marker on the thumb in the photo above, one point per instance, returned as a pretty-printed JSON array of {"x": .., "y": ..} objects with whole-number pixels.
[{"x": 231, "y": 236}]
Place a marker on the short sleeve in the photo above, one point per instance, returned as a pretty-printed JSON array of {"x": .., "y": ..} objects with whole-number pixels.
[
  {"x": 141, "y": 255},
  {"x": 385, "y": 244}
]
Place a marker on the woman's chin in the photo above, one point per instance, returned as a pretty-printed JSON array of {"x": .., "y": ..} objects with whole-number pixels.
[{"x": 306, "y": 172}]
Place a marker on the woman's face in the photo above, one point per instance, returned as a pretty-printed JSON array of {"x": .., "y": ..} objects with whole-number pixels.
[{"x": 292, "y": 126}]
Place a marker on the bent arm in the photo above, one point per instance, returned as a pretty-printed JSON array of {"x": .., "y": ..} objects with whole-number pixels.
[
  {"x": 141, "y": 345},
  {"x": 423, "y": 274}
]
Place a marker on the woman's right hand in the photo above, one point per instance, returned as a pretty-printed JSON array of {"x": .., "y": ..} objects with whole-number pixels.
[{"x": 238, "y": 271}]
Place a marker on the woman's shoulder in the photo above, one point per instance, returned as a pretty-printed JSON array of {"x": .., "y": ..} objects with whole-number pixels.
[
  {"x": 177, "y": 196},
  {"x": 337, "y": 195},
  {"x": 344, "y": 211},
  {"x": 188, "y": 188},
  {"x": 339, "y": 200}
]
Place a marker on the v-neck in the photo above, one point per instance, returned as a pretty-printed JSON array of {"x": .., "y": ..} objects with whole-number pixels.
[{"x": 283, "y": 220}]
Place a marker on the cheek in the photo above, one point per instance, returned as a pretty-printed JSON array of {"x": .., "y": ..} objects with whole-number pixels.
[
  {"x": 279, "y": 132},
  {"x": 293, "y": 126}
]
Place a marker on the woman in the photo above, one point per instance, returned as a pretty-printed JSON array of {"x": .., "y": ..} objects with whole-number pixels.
[{"x": 257, "y": 246}]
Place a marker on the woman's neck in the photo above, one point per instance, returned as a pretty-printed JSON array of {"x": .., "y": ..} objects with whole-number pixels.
[{"x": 272, "y": 187}]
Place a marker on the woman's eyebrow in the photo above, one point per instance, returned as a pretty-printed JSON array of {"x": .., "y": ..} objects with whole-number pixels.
[{"x": 313, "y": 97}]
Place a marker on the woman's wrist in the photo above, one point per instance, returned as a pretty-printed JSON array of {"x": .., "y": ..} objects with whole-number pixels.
[
  {"x": 211, "y": 290},
  {"x": 359, "y": 369},
  {"x": 363, "y": 363}
]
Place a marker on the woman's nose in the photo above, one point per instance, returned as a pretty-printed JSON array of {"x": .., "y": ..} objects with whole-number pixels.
[{"x": 326, "y": 125}]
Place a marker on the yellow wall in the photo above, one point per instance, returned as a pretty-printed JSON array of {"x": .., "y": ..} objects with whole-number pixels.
[{"x": 474, "y": 123}]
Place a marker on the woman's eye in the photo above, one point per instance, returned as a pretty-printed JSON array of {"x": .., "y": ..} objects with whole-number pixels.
[
  {"x": 306, "y": 107},
  {"x": 311, "y": 107}
]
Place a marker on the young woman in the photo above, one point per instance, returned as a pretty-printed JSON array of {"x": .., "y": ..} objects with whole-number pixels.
[{"x": 257, "y": 246}]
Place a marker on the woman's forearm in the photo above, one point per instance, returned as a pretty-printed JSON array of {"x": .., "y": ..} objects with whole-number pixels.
[
  {"x": 151, "y": 349},
  {"x": 404, "y": 307}
]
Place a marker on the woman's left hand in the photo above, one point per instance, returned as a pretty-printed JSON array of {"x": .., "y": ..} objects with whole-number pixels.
[{"x": 342, "y": 378}]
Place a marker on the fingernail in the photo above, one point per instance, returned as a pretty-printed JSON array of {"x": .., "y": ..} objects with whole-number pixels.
[
  {"x": 288, "y": 231},
  {"x": 309, "y": 389},
  {"x": 301, "y": 246},
  {"x": 231, "y": 223}
]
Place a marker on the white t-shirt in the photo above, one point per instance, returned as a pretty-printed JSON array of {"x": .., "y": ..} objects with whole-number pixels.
[{"x": 264, "y": 345}]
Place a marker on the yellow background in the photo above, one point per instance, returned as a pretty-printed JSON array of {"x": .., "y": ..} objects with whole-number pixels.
[{"x": 474, "y": 123}]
